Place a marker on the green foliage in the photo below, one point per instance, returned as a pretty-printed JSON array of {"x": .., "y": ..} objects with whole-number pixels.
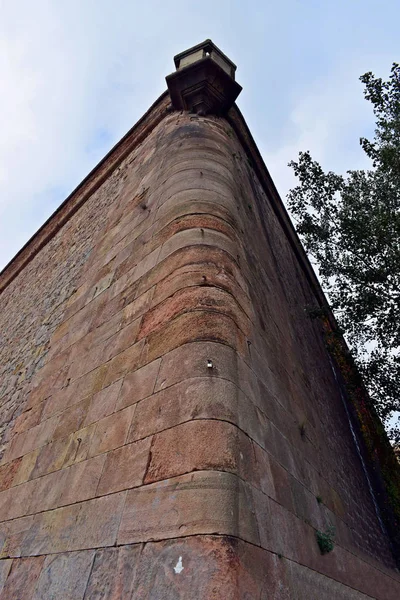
[
  {"x": 350, "y": 226},
  {"x": 318, "y": 499},
  {"x": 326, "y": 539}
]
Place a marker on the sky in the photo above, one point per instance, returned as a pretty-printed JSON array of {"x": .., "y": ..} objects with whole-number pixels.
[{"x": 75, "y": 75}]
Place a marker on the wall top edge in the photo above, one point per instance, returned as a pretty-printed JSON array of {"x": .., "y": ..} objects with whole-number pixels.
[
  {"x": 85, "y": 189},
  {"x": 154, "y": 115}
]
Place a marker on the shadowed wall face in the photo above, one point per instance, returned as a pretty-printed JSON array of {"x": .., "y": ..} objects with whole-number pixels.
[{"x": 169, "y": 411}]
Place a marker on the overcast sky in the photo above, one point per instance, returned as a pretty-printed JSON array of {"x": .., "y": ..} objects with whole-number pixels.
[{"x": 75, "y": 75}]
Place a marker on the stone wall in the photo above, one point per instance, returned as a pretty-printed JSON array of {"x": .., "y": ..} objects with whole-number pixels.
[{"x": 172, "y": 427}]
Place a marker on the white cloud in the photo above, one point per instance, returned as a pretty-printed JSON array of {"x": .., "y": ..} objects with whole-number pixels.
[
  {"x": 328, "y": 118},
  {"x": 76, "y": 75}
]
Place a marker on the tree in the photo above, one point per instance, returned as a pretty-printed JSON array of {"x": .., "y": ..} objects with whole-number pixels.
[{"x": 350, "y": 226}]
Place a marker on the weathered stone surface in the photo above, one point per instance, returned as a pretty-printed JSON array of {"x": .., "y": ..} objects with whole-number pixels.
[
  {"x": 196, "y": 567},
  {"x": 90, "y": 524},
  {"x": 81, "y": 480},
  {"x": 125, "y": 361},
  {"x": 305, "y": 583},
  {"x": 5, "y": 566},
  {"x": 111, "y": 431},
  {"x": 12, "y": 534},
  {"x": 103, "y": 403},
  {"x": 197, "y": 398},
  {"x": 113, "y": 576},
  {"x": 200, "y": 503},
  {"x": 22, "y": 579},
  {"x": 125, "y": 467},
  {"x": 199, "y": 445},
  {"x": 139, "y": 384},
  {"x": 64, "y": 576}
]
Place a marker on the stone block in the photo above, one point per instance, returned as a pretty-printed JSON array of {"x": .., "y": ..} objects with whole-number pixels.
[
  {"x": 194, "y": 237},
  {"x": 126, "y": 361},
  {"x": 113, "y": 576},
  {"x": 8, "y": 473},
  {"x": 122, "y": 340},
  {"x": 198, "y": 503},
  {"x": 193, "y": 567},
  {"x": 78, "y": 390},
  {"x": 50, "y": 458},
  {"x": 22, "y": 579},
  {"x": 111, "y": 431},
  {"x": 85, "y": 525},
  {"x": 20, "y": 499},
  {"x": 28, "y": 418},
  {"x": 139, "y": 384},
  {"x": 5, "y": 566},
  {"x": 193, "y": 446},
  {"x": 71, "y": 419},
  {"x": 191, "y": 327},
  {"x": 125, "y": 467},
  {"x": 78, "y": 445},
  {"x": 306, "y": 583},
  {"x": 47, "y": 491},
  {"x": 12, "y": 534},
  {"x": 139, "y": 306},
  {"x": 281, "y": 484},
  {"x": 191, "y": 360},
  {"x": 197, "y": 398},
  {"x": 81, "y": 480},
  {"x": 265, "y": 477},
  {"x": 103, "y": 403},
  {"x": 64, "y": 576},
  {"x": 193, "y": 299}
]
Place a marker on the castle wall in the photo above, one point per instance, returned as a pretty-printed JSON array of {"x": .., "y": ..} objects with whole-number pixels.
[{"x": 171, "y": 424}]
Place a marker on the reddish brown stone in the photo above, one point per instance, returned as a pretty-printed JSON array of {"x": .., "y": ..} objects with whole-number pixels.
[
  {"x": 193, "y": 299},
  {"x": 179, "y": 240},
  {"x": 134, "y": 310},
  {"x": 46, "y": 492},
  {"x": 8, "y": 473},
  {"x": 76, "y": 391},
  {"x": 71, "y": 419},
  {"x": 64, "y": 576},
  {"x": 196, "y": 398},
  {"x": 28, "y": 419},
  {"x": 26, "y": 467},
  {"x": 191, "y": 360},
  {"x": 126, "y": 361},
  {"x": 125, "y": 338},
  {"x": 199, "y": 503},
  {"x": 113, "y": 576},
  {"x": 187, "y": 256},
  {"x": 191, "y": 327},
  {"x": 125, "y": 467},
  {"x": 194, "y": 567},
  {"x": 5, "y": 566},
  {"x": 78, "y": 445},
  {"x": 193, "y": 446},
  {"x": 139, "y": 384},
  {"x": 81, "y": 481},
  {"x": 111, "y": 431},
  {"x": 103, "y": 403},
  {"x": 22, "y": 579},
  {"x": 19, "y": 500},
  {"x": 90, "y": 524},
  {"x": 12, "y": 534},
  {"x": 50, "y": 458}
]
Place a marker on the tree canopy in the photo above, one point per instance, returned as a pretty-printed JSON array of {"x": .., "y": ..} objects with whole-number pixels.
[{"x": 350, "y": 226}]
